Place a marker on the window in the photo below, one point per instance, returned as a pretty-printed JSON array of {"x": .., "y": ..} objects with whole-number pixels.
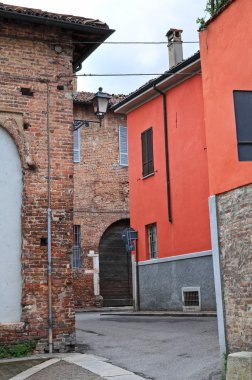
[
  {"x": 123, "y": 146},
  {"x": 152, "y": 240},
  {"x": 243, "y": 116},
  {"x": 77, "y": 145},
  {"x": 76, "y": 259},
  {"x": 147, "y": 152}
]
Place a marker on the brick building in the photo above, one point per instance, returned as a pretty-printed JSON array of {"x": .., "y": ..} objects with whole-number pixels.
[
  {"x": 38, "y": 58},
  {"x": 102, "y": 269}
]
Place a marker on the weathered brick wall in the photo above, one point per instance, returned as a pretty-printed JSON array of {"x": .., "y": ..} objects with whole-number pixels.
[
  {"x": 100, "y": 193},
  {"x": 27, "y": 60},
  {"x": 235, "y": 235}
]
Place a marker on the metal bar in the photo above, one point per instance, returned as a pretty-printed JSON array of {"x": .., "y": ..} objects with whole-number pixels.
[
  {"x": 49, "y": 240},
  {"x": 77, "y": 124}
]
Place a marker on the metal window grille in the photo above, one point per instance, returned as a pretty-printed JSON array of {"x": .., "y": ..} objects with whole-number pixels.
[
  {"x": 147, "y": 152},
  {"x": 191, "y": 298},
  {"x": 123, "y": 146},
  {"x": 152, "y": 240},
  {"x": 76, "y": 257}
]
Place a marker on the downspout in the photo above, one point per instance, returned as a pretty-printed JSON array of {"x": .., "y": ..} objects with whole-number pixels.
[
  {"x": 167, "y": 165},
  {"x": 49, "y": 239}
]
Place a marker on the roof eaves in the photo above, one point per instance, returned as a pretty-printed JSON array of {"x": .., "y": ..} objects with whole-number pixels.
[{"x": 149, "y": 85}]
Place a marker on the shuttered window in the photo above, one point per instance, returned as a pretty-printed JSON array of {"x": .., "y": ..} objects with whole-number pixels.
[
  {"x": 123, "y": 146},
  {"x": 77, "y": 145},
  {"x": 147, "y": 152},
  {"x": 243, "y": 116}
]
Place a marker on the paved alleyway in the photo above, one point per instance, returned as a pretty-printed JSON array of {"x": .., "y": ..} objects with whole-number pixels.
[{"x": 160, "y": 348}]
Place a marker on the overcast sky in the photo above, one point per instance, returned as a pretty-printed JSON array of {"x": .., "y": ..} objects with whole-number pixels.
[{"x": 133, "y": 20}]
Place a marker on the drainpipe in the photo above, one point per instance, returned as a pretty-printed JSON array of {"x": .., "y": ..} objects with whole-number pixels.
[
  {"x": 167, "y": 166},
  {"x": 49, "y": 240}
]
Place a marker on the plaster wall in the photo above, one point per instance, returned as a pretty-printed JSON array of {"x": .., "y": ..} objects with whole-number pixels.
[
  {"x": 190, "y": 230},
  {"x": 10, "y": 229},
  {"x": 164, "y": 291},
  {"x": 226, "y": 66}
]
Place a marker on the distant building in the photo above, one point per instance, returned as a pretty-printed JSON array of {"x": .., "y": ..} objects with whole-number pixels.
[{"x": 101, "y": 265}]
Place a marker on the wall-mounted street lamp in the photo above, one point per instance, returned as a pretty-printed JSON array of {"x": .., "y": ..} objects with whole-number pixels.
[{"x": 100, "y": 104}]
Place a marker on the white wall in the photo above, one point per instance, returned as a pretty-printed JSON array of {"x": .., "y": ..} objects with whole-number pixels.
[{"x": 10, "y": 229}]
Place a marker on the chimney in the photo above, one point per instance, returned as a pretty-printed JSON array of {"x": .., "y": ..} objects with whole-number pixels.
[{"x": 175, "y": 46}]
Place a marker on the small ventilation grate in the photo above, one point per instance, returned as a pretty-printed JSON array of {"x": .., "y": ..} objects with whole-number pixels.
[{"x": 191, "y": 298}]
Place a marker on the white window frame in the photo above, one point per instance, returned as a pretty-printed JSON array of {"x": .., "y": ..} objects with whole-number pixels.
[
  {"x": 152, "y": 240},
  {"x": 76, "y": 138},
  {"x": 123, "y": 153}
]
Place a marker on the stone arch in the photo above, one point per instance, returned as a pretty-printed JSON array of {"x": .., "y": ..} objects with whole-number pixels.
[
  {"x": 115, "y": 266},
  {"x": 10, "y": 229}
]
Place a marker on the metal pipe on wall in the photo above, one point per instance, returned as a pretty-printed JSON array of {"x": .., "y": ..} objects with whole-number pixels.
[
  {"x": 49, "y": 233},
  {"x": 167, "y": 165}
]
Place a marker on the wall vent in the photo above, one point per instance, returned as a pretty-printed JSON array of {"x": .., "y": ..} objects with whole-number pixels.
[{"x": 191, "y": 298}]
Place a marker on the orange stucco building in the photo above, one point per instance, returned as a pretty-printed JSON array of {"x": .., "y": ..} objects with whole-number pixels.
[
  {"x": 227, "y": 89},
  {"x": 169, "y": 190}
]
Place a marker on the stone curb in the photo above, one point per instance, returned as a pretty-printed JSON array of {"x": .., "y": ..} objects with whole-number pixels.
[
  {"x": 159, "y": 314},
  {"x": 95, "y": 364}
]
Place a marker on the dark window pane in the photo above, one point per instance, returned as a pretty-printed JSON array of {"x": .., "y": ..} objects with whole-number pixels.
[
  {"x": 243, "y": 118},
  {"x": 245, "y": 152},
  {"x": 147, "y": 152}
]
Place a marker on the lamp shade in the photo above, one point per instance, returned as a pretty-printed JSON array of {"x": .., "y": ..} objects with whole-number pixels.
[{"x": 100, "y": 103}]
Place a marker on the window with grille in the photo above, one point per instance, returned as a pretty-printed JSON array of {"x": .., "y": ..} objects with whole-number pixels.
[
  {"x": 123, "y": 146},
  {"x": 147, "y": 152},
  {"x": 76, "y": 257},
  {"x": 152, "y": 240},
  {"x": 77, "y": 145},
  {"x": 243, "y": 117},
  {"x": 191, "y": 298}
]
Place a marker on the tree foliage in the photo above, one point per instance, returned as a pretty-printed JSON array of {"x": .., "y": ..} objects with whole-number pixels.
[{"x": 212, "y": 7}]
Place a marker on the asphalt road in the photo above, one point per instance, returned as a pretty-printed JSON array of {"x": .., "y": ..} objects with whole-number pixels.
[{"x": 159, "y": 348}]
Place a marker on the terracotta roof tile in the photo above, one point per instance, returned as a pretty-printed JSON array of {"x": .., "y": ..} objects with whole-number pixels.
[
  {"x": 52, "y": 16},
  {"x": 86, "y": 98}
]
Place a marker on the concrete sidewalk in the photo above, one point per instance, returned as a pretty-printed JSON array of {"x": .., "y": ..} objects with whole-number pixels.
[{"x": 68, "y": 367}]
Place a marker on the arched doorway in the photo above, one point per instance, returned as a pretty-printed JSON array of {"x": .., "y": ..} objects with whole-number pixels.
[
  {"x": 115, "y": 267},
  {"x": 10, "y": 229}
]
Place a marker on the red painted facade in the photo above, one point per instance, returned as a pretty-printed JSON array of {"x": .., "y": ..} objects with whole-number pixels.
[
  {"x": 189, "y": 232},
  {"x": 226, "y": 66}
]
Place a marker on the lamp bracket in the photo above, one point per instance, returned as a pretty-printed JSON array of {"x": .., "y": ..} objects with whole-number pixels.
[{"x": 77, "y": 124}]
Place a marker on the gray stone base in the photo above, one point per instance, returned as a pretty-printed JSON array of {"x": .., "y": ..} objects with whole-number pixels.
[
  {"x": 161, "y": 282},
  {"x": 62, "y": 343},
  {"x": 239, "y": 366}
]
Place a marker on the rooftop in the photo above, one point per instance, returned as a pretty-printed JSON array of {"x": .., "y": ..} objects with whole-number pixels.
[
  {"x": 87, "y": 33},
  {"x": 86, "y": 98},
  {"x": 170, "y": 78}
]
